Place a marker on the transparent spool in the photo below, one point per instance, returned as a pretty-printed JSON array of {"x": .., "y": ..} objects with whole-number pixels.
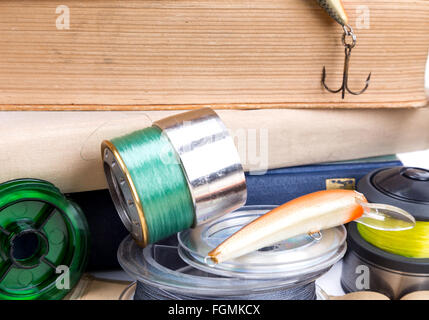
[{"x": 181, "y": 267}]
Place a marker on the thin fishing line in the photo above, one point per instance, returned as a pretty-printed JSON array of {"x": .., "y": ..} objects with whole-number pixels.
[
  {"x": 159, "y": 180},
  {"x": 413, "y": 243},
  {"x": 94, "y": 137},
  {"x": 145, "y": 291}
]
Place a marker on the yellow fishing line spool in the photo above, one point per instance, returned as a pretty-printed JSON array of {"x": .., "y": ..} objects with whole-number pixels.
[
  {"x": 407, "y": 188},
  {"x": 413, "y": 243},
  {"x": 394, "y": 263}
]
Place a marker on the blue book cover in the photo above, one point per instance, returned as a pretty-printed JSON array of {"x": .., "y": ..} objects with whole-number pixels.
[{"x": 278, "y": 186}]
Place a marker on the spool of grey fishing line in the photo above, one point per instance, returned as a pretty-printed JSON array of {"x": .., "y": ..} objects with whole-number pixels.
[
  {"x": 177, "y": 269},
  {"x": 306, "y": 292}
]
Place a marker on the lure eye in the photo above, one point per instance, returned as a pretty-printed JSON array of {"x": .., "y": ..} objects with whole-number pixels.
[
  {"x": 209, "y": 261},
  {"x": 385, "y": 217}
]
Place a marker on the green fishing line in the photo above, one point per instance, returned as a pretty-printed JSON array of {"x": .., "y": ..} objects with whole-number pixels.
[
  {"x": 169, "y": 177},
  {"x": 159, "y": 180}
]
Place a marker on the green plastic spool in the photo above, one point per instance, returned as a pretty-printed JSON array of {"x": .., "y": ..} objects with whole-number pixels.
[{"x": 44, "y": 241}]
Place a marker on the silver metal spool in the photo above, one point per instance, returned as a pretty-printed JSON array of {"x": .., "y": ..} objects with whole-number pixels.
[
  {"x": 122, "y": 195},
  {"x": 210, "y": 161}
]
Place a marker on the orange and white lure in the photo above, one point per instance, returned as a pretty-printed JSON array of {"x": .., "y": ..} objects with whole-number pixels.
[{"x": 308, "y": 215}]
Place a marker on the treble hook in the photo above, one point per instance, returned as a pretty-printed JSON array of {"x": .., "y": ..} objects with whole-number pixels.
[{"x": 348, "y": 50}]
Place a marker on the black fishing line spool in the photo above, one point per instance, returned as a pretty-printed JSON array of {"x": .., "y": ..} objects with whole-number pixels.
[{"x": 368, "y": 267}]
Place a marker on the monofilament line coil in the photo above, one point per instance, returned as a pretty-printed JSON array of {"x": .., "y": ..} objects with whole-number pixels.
[
  {"x": 307, "y": 291},
  {"x": 178, "y": 173}
]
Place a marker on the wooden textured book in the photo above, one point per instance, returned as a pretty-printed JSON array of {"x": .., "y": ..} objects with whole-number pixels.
[
  {"x": 183, "y": 54},
  {"x": 64, "y": 147}
]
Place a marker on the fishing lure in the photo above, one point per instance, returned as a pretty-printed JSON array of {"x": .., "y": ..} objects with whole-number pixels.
[
  {"x": 335, "y": 9},
  {"x": 310, "y": 214}
]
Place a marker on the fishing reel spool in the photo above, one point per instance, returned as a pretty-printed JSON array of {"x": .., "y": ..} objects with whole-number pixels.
[
  {"x": 43, "y": 241},
  {"x": 208, "y": 161},
  {"x": 178, "y": 270},
  {"x": 390, "y": 270}
]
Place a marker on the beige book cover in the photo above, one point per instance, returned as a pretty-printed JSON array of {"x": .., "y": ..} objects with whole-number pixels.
[{"x": 64, "y": 147}]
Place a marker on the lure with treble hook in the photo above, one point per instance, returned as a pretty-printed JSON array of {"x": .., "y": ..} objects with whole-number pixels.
[
  {"x": 310, "y": 214},
  {"x": 336, "y": 10}
]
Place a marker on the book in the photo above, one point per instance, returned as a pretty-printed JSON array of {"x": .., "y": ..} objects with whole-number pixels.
[
  {"x": 240, "y": 54},
  {"x": 64, "y": 147},
  {"x": 281, "y": 185}
]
